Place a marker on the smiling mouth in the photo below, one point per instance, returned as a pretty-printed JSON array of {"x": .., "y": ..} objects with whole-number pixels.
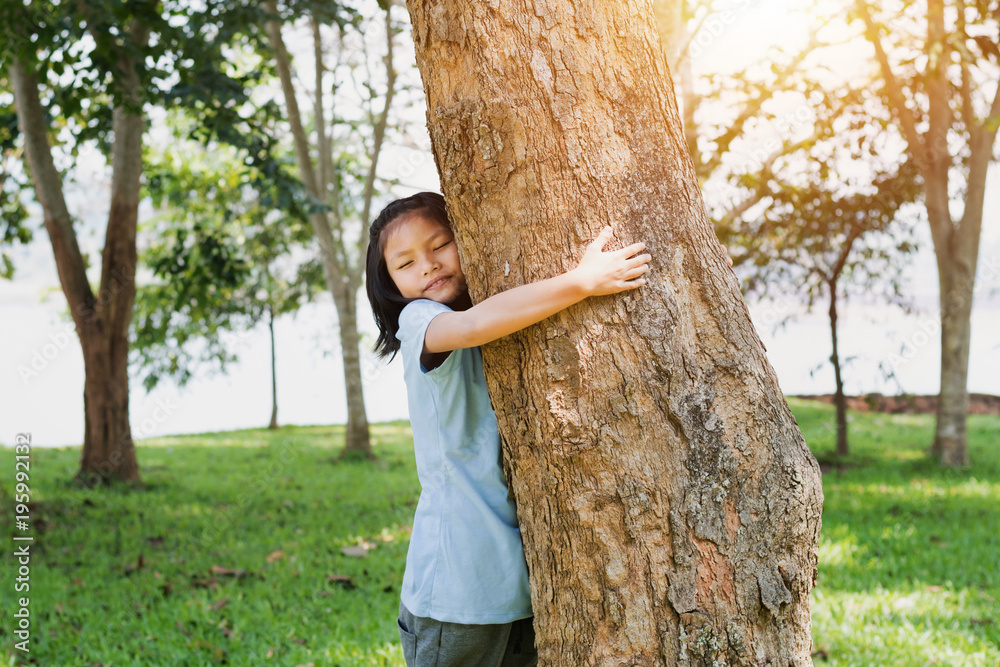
[{"x": 437, "y": 283}]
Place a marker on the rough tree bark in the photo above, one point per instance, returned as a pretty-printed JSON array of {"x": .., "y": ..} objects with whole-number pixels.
[
  {"x": 669, "y": 506},
  {"x": 102, "y": 319}
]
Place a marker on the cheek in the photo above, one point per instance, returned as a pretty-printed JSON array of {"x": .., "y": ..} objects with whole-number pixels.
[{"x": 455, "y": 261}]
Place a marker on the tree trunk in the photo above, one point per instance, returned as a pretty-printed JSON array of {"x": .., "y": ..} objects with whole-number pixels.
[
  {"x": 357, "y": 441},
  {"x": 274, "y": 371},
  {"x": 956, "y": 333},
  {"x": 838, "y": 398},
  {"x": 108, "y": 451},
  {"x": 669, "y": 507},
  {"x": 102, "y": 320}
]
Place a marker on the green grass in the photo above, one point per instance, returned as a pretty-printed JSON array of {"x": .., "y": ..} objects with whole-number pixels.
[
  {"x": 909, "y": 553},
  {"x": 279, "y": 506}
]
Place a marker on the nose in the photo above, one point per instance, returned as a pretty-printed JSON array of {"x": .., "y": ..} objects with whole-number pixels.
[{"x": 430, "y": 263}]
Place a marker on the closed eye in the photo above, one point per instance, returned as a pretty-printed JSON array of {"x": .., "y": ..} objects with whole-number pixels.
[
  {"x": 403, "y": 266},
  {"x": 442, "y": 245}
]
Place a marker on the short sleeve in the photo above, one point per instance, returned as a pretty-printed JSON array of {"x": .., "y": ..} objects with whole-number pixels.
[{"x": 413, "y": 323}]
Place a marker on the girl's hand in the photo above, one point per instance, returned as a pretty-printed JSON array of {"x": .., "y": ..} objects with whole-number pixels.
[{"x": 602, "y": 272}]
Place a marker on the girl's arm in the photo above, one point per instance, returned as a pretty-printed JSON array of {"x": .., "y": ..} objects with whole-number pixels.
[{"x": 502, "y": 314}]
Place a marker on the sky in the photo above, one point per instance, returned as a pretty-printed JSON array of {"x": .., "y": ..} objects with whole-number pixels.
[{"x": 41, "y": 366}]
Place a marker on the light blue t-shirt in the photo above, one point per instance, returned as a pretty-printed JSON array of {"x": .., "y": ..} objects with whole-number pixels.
[{"x": 465, "y": 562}]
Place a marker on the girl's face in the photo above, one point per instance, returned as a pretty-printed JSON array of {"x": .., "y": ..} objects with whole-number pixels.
[{"x": 422, "y": 259}]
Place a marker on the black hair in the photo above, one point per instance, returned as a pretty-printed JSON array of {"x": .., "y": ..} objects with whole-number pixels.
[{"x": 387, "y": 303}]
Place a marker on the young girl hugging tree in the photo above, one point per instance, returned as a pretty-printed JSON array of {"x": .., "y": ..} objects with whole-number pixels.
[{"x": 465, "y": 599}]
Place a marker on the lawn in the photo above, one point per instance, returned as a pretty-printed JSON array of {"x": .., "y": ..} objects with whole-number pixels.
[{"x": 232, "y": 554}]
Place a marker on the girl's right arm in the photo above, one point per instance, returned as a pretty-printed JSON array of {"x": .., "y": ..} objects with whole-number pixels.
[{"x": 597, "y": 273}]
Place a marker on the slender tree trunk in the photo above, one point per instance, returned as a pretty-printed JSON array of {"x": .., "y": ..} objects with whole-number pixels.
[
  {"x": 956, "y": 333},
  {"x": 274, "y": 371},
  {"x": 838, "y": 398},
  {"x": 357, "y": 439},
  {"x": 669, "y": 506},
  {"x": 333, "y": 253}
]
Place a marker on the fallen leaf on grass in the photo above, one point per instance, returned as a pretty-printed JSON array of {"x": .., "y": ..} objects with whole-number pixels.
[
  {"x": 219, "y": 605},
  {"x": 129, "y": 569},
  {"x": 275, "y": 555},
  {"x": 226, "y": 572},
  {"x": 355, "y": 552}
]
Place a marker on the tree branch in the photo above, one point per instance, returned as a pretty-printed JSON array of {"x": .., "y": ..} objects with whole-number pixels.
[
  {"x": 897, "y": 100},
  {"x": 330, "y": 252},
  {"x": 118, "y": 259},
  {"x": 752, "y": 107},
  {"x": 968, "y": 112},
  {"x": 48, "y": 190},
  {"x": 380, "y": 128}
]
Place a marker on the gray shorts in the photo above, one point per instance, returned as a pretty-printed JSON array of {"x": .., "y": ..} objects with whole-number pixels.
[{"x": 430, "y": 643}]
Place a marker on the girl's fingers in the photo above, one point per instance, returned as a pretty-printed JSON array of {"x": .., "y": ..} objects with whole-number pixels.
[
  {"x": 639, "y": 260},
  {"x": 636, "y": 271},
  {"x": 628, "y": 251},
  {"x": 602, "y": 238},
  {"x": 632, "y": 284}
]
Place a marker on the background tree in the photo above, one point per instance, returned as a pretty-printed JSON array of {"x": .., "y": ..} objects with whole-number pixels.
[
  {"x": 221, "y": 263},
  {"x": 668, "y": 504},
  {"x": 816, "y": 235},
  {"x": 340, "y": 222},
  {"x": 940, "y": 75},
  {"x": 119, "y": 39},
  {"x": 82, "y": 74}
]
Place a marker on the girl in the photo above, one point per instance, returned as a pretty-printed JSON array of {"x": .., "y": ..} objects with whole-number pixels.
[{"x": 465, "y": 598}]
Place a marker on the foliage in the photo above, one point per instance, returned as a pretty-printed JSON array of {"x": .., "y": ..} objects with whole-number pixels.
[
  {"x": 215, "y": 256},
  {"x": 197, "y": 57},
  {"x": 13, "y": 214},
  {"x": 831, "y": 202}
]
